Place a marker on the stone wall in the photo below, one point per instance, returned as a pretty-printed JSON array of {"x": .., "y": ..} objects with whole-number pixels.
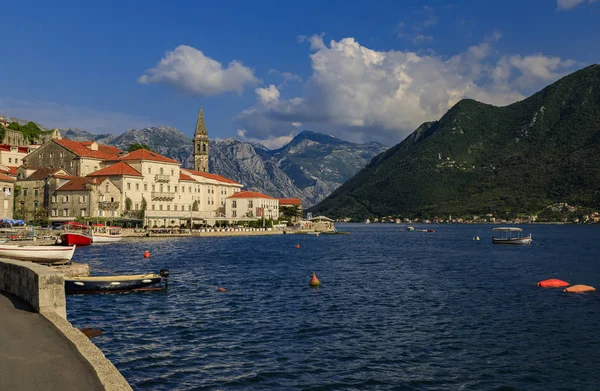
[
  {"x": 40, "y": 286},
  {"x": 54, "y": 155},
  {"x": 7, "y": 199}
]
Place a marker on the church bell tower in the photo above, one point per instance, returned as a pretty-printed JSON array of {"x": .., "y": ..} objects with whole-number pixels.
[{"x": 201, "y": 144}]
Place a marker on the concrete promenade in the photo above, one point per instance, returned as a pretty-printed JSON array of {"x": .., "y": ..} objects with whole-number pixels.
[{"x": 35, "y": 355}]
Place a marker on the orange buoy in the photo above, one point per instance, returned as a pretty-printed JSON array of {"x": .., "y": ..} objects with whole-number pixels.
[
  {"x": 221, "y": 289},
  {"x": 146, "y": 254},
  {"x": 553, "y": 283},
  {"x": 297, "y": 246},
  {"x": 580, "y": 289},
  {"x": 314, "y": 281}
]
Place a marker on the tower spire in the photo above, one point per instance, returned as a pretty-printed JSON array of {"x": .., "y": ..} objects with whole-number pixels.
[
  {"x": 200, "y": 125},
  {"x": 201, "y": 144}
]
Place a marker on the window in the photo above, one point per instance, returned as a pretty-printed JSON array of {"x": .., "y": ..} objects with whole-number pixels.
[
  {"x": 152, "y": 206},
  {"x": 54, "y": 212},
  {"x": 161, "y": 171},
  {"x": 106, "y": 188},
  {"x": 175, "y": 189},
  {"x": 35, "y": 192},
  {"x": 95, "y": 168},
  {"x": 65, "y": 212},
  {"x": 174, "y": 207},
  {"x": 128, "y": 185},
  {"x": 190, "y": 189},
  {"x": 189, "y": 207},
  {"x": 25, "y": 192},
  {"x": 172, "y": 172},
  {"x": 137, "y": 206},
  {"x": 61, "y": 154},
  {"x": 183, "y": 189},
  {"x": 35, "y": 204},
  {"x": 149, "y": 170},
  {"x": 53, "y": 198},
  {"x": 168, "y": 207},
  {"x": 137, "y": 186},
  {"x": 234, "y": 204},
  {"x": 65, "y": 198},
  {"x": 161, "y": 188},
  {"x": 234, "y": 213},
  {"x": 153, "y": 187},
  {"x": 101, "y": 198},
  {"x": 100, "y": 213},
  {"x": 51, "y": 155},
  {"x": 145, "y": 187},
  {"x": 83, "y": 212},
  {"x": 160, "y": 207},
  {"x": 250, "y": 204},
  {"x": 10, "y": 160},
  {"x": 112, "y": 199}
]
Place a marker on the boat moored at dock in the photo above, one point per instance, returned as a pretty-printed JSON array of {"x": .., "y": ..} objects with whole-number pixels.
[
  {"x": 55, "y": 255},
  {"x": 76, "y": 234},
  {"x": 512, "y": 235},
  {"x": 117, "y": 283},
  {"x": 106, "y": 234}
]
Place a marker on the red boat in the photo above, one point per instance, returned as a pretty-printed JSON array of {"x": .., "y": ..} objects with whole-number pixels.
[{"x": 76, "y": 234}]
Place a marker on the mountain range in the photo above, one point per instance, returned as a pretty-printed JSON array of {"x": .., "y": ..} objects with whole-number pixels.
[
  {"x": 309, "y": 167},
  {"x": 480, "y": 159}
]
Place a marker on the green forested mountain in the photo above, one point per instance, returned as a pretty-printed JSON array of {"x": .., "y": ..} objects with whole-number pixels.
[{"x": 479, "y": 159}]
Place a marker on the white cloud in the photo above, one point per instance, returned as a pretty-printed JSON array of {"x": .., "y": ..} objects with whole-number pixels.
[
  {"x": 568, "y": 4},
  {"x": 189, "y": 69},
  {"x": 268, "y": 95},
  {"x": 362, "y": 94},
  {"x": 54, "y": 115},
  {"x": 271, "y": 142}
]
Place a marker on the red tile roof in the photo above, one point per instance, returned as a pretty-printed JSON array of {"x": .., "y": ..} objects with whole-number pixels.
[
  {"x": 290, "y": 201},
  {"x": 12, "y": 170},
  {"x": 6, "y": 178},
  {"x": 42, "y": 173},
  {"x": 6, "y": 147},
  {"x": 183, "y": 177},
  {"x": 80, "y": 149},
  {"x": 120, "y": 168},
  {"x": 144, "y": 154},
  {"x": 210, "y": 176},
  {"x": 76, "y": 184},
  {"x": 251, "y": 194},
  {"x": 109, "y": 149}
]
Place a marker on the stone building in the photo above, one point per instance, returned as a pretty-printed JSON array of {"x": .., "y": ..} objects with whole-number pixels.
[
  {"x": 76, "y": 158},
  {"x": 36, "y": 185},
  {"x": 290, "y": 204},
  {"x": 12, "y": 156},
  {"x": 247, "y": 205},
  {"x": 85, "y": 197},
  {"x": 201, "y": 144},
  {"x": 7, "y": 197}
]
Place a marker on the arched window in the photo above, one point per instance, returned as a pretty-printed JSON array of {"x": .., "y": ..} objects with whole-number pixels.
[{"x": 203, "y": 147}]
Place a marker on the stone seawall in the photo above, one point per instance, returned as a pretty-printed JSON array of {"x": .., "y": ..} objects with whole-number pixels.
[
  {"x": 43, "y": 288},
  {"x": 40, "y": 286}
]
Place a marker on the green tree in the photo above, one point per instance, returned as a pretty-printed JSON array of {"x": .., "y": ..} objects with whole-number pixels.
[
  {"x": 128, "y": 203},
  {"x": 14, "y": 126},
  {"x": 40, "y": 217},
  {"x": 143, "y": 207},
  {"x": 195, "y": 206},
  {"x": 20, "y": 212},
  {"x": 136, "y": 146}
]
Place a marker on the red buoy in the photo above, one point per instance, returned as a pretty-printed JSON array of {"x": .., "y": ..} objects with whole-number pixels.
[
  {"x": 314, "y": 281},
  {"x": 553, "y": 283},
  {"x": 297, "y": 246},
  {"x": 146, "y": 254}
]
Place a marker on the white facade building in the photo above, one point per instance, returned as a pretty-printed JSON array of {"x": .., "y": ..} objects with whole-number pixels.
[{"x": 251, "y": 205}]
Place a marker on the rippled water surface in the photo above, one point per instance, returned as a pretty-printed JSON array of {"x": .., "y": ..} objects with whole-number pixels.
[{"x": 396, "y": 310}]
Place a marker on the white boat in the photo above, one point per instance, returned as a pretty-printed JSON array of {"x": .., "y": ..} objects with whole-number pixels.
[
  {"x": 512, "y": 235},
  {"x": 39, "y": 254},
  {"x": 104, "y": 234}
]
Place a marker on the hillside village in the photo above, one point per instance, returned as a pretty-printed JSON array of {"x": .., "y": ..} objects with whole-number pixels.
[{"x": 50, "y": 179}]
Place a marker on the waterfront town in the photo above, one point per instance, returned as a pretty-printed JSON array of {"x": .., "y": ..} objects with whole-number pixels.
[{"x": 66, "y": 180}]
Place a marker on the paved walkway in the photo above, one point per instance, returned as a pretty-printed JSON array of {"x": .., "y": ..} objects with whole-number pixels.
[{"x": 34, "y": 355}]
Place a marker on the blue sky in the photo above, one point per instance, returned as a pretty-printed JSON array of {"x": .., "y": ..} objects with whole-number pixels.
[{"x": 265, "y": 70}]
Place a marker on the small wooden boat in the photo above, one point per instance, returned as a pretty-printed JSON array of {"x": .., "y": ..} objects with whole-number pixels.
[
  {"x": 76, "y": 234},
  {"x": 512, "y": 235},
  {"x": 104, "y": 234},
  {"x": 41, "y": 254},
  {"x": 117, "y": 284}
]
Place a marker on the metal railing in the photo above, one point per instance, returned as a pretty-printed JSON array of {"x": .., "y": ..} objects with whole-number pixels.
[
  {"x": 161, "y": 195},
  {"x": 162, "y": 178}
]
